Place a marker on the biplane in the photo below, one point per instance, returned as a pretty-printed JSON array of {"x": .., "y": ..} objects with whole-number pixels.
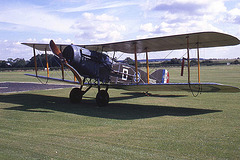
[{"x": 92, "y": 67}]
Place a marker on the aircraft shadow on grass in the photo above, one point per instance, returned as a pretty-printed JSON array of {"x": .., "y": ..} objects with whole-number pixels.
[
  {"x": 144, "y": 94},
  {"x": 131, "y": 95},
  {"x": 121, "y": 111}
]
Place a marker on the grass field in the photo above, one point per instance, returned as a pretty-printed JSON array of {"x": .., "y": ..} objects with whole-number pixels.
[{"x": 166, "y": 125}]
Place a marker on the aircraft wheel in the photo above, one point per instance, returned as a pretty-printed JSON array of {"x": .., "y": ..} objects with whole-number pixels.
[
  {"x": 76, "y": 95},
  {"x": 102, "y": 98}
]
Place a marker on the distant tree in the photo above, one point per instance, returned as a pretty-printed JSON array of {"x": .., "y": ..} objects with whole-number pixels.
[
  {"x": 236, "y": 62},
  {"x": 193, "y": 62},
  {"x": 175, "y": 61},
  {"x": 10, "y": 61},
  {"x": 4, "y": 64},
  {"x": 129, "y": 61},
  {"x": 207, "y": 62},
  {"x": 172, "y": 61},
  {"x": 53, "y": 61},
  {"x": 19, "y": 63}
]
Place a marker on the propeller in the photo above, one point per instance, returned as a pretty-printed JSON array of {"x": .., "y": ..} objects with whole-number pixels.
[{"x": 58, "y": 53}]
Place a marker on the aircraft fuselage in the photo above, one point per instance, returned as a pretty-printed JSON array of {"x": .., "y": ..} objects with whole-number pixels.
[{"x": 89, "y": 64}]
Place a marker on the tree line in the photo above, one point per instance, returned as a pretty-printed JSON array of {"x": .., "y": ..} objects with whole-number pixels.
[
  {"x": 178, "y": 62},
  {"x": 53, "y": 61}
]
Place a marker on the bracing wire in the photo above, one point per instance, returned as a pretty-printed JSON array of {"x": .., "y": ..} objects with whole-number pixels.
[
  {"x": 189, "y": 84},
  {"x": 54, "y": 57},
  {"x": 65, "y": 70},
  {"x": 168, "y": 54},
  {"x": 198, "y": 92},
  {"x": 163, "y": 59},
  {"x": 43, "y": 68},
  {"x": 120, "y": 56}
]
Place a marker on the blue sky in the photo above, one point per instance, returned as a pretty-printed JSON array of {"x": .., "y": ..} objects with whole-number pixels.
[{"x": 99, "y": 21}]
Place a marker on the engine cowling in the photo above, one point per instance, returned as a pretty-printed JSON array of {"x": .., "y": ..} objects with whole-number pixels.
[{"x": 88, "y": 63}]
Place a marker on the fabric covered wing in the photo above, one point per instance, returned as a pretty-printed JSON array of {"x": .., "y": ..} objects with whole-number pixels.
[
  {"x": 203, "y": 87},
  {"x": 195, "y": 87},
  {"x": 54, "y": 79},
  {"x": 204, "y": 40},
  {"x": 43, "y": 47}
]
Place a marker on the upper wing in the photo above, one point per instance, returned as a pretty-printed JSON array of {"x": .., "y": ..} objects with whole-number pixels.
[
  {"x": 44, "y": 47},
  {"x": 203, "y": 39}
]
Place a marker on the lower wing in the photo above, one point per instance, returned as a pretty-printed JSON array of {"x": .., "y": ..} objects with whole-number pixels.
[{"x": 192, "y": 87}]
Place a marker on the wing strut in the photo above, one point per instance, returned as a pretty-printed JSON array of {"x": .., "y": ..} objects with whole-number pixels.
[
  {"x": 62, "y": 66},
  {"x": 198, "y": 62},
  {"x": 47, "y": 62},
  {"x": 188, "y": 60},
  {"x": 136, "y": 66},
  {"x": 35, "y": 59},
  {"x": 182, "y": 68},
  {"x": 147, "y": 66}
]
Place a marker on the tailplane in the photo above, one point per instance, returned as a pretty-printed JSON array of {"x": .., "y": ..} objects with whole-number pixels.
[{"x": 160, "y": 75}]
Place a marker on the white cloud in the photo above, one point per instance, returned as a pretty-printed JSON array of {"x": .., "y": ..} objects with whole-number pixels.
[
  {"x": 97, "y": 5},
  {"x": 234, "y": 16},
  {"x": 148, "y": 27},
  {"x": 56, "y": 40},
  {"x": 31, "y": 40},
  {"x": 14, "y": 49},
  {"x": 179, "y": 10},
  {"x": 99, "y": 28},
  {"x": 166, "y": 28},
  {"x": 88, "y": 15},
  {"x": 182, "y": 16},
  {"x": 30, "y": 16},
  {"x": 171, "y": 17},
  {"x": 105, "y": 17}
]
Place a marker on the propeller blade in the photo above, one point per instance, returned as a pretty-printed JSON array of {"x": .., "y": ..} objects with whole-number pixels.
[
  {"x": 76, "y": 74},
  {"x": 55, "y": 49},
  {"x": 57, "y": 52}
]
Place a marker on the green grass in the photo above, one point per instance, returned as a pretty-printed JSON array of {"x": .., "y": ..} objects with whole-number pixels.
[{"x": 167, "y": 125}]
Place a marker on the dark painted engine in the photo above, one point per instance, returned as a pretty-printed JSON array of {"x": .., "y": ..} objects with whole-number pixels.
[{"x": 89, "y": 64}]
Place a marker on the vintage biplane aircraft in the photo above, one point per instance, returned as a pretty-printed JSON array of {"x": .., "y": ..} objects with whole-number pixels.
[{"x": 91, "y": 67}]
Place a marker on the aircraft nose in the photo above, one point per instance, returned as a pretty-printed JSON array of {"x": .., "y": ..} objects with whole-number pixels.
[{"x": 68, "y": 53}]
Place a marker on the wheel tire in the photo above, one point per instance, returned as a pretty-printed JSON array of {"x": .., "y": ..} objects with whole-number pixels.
[
  {"x": 102, "y": 98},
  {"x": 76, "y": 95}
]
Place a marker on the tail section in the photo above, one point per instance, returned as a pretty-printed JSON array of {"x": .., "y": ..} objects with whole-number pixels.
[
  {"x": 160, "y": 75},
  {"x": 125, "y": 74}
]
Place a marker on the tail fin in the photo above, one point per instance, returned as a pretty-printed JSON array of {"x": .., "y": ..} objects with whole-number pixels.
[{"x": 161, "y": 76}]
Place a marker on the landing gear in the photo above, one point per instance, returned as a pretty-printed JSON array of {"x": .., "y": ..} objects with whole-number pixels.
[
  {"x": 76, "y": 95},
  {"x": 102, "y": 98}
]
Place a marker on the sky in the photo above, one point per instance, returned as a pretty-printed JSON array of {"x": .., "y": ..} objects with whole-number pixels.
[{"x": 102, "y": 21}]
